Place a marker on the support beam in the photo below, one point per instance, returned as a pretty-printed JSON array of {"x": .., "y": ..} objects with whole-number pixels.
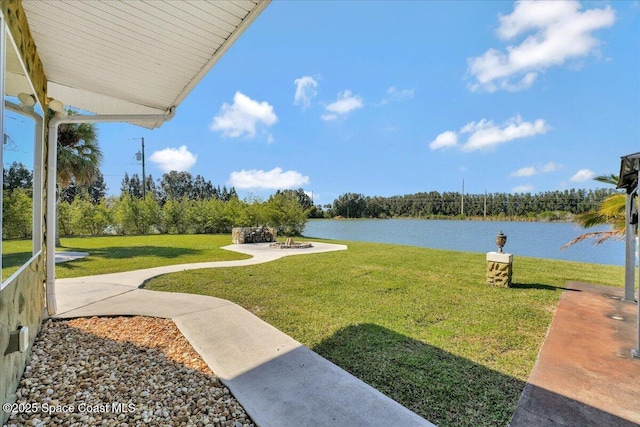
[
  {"x": 629, "y": 179},
  {"x": 52, "y": 172},
  {"x": 3, "y": 67},
  {"x": 630, "y": 248},
  {"x": 37, "y": 171},
  {"x": 636, "y": 351}
]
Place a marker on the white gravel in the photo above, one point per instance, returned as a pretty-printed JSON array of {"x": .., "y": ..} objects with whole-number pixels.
[{"x": 123, "y": 371}]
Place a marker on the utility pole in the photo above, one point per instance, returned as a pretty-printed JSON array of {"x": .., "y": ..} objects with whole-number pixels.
[
  {"x": 140, "y": 156},
  {"x": 485, "y": 203},
  {"x": 462, "y": 201}
]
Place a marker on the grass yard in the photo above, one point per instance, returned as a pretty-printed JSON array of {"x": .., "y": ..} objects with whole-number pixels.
[
  {"x": 418, "y": 324},
  {"x": 14, "y": 254},
  {"x": 112, "y": 254}
]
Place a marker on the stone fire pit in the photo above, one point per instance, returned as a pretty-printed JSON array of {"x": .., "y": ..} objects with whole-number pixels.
[{"x": 290, "y": 244}]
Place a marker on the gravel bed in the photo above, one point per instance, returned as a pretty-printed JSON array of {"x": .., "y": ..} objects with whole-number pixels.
[{"x": 120, "y": 371}]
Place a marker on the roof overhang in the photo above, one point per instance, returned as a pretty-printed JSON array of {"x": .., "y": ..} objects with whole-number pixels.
[
  {"x": 629, "y": 168},
  {"x": 132, "y": 57}
]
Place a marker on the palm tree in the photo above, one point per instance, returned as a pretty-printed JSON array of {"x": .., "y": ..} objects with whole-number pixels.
[
  {"x": 79, "y": 156},
  {"x": 611, "y": 211}
]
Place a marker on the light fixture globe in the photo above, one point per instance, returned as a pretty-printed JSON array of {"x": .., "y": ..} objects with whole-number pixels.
[
  {"x": 27, "y": 99},
  {"x": 56, "y": 105}
]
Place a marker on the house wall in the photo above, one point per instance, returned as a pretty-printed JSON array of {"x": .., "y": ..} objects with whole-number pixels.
[
  {"x": 21, "y": 304},
  {"x": 22, "y": 298}
]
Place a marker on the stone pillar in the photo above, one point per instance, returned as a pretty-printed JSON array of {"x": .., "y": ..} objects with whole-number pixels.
[
  {"x": 499, "y": 269},
  {"x": 241, "y": 235}
]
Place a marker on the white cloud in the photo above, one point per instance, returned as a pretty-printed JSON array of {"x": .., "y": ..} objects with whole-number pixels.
[
  {"x": 445, "y": 139},
  {"x": 558, "y": 31},
  {"x": 394, "y": 94},
  {"x": 532, "y": 170},
  {"x": 400, "y": 94},
  {"x": 329, "y": 117},
  {"x": 485, "y": 135},
  {"x": 305, "y": 90},
  {"x": 172, "y": 159},
  {"x": 345, "y": 103},
  {"x": 276, "y": 178},
  {"x": 550, "y": 167},
  {"x": 583, "y": 175},
  {"x": 523, "y": 188},
  {"x": 243, "y": 116},
  {"x": 528, "y": 171}
]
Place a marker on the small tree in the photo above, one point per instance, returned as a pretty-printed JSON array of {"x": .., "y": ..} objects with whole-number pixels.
[
  {"x": 88, "y": 218},
  {"x": 18, "y": 176},
  {"x": 16, "y": 214},
  {"x": 136, "y": 216},
  {"x": 174, "y": 216},
  {"x": 65, "y": 220},
  {"x": 287, "y": 214}
]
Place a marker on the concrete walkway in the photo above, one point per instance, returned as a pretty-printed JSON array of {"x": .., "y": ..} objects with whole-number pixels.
[
  {"x": 69, "y": 256},
  {"x": 279, "y": 381},
  {"x": 585, "y": 375}
]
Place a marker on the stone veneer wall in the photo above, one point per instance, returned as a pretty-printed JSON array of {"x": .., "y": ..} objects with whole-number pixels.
[
  {"x": 499, "y": 274},
  {"x": 499, "y": 270},
  {"x": 240, "y": 235},
  {"x": 22, "y": 301},
  {"x": 21, "y": 304}
]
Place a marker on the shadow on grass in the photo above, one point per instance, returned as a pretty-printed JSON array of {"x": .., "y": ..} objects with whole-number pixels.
[
  {"x": 124, "y": 252},
  {"x": 15, "y": 259},
  {"x": 446, "y": 389},
  {"x": 541, "y": 286},
  {"x": 443, "y": 388}
]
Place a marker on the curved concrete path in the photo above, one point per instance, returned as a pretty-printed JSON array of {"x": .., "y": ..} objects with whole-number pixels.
[{"x": 279, "y": 381}]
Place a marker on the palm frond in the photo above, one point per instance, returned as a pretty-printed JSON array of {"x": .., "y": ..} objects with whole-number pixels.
[
  {"x": 612, "y": 211},
  {"x": 591, "y": 219},
  {"x": 598, "y": 237},
  {"x": 608, "y": 179}
]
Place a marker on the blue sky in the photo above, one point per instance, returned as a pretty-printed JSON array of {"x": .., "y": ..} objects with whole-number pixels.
[{"x": 386, "y": 98}]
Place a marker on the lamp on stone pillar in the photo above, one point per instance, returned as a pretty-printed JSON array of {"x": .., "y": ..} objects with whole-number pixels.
[
  {"x": 499, "y": 264},
  {"x": 501, "y": 240}
]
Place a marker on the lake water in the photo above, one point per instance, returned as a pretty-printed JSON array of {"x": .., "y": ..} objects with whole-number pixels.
[{"x": 534, "y": 239}]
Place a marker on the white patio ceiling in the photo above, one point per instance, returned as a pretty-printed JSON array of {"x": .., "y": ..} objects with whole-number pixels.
[{"x": 132, "y": 57}]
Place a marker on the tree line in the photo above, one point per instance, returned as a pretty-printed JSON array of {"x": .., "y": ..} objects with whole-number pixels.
[
  {"x": 176, "y": 203},
  {"x": 180, "y": 203},
  {"x": 549, "y": 205}
]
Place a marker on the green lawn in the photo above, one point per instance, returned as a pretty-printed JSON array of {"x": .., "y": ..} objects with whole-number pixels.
[
  {"x": 124, "y": 253},
  {"x": 14, "y": 254},
  {"x": 111, "y": 254},
  {"x": 418, "y": 324}
]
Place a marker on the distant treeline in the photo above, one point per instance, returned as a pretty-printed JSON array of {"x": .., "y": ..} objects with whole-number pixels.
[
  {"x": 550, "y": 205},
  {"x": 176, "y": 203}
]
